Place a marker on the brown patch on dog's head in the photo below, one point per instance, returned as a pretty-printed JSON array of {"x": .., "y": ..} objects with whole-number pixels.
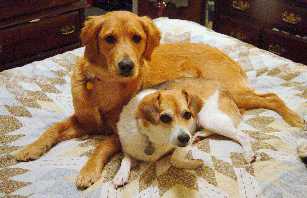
[
  {"x": 167, "y": 118},
  {"x": 118, "y": 42},
  {"x": 149, "y": 109},
  {"x": 195, "y": 103},
  {"x": 167, "y": 106}
]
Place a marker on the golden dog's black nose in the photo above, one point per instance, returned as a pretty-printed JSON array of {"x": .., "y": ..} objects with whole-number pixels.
[
  {"x": 183, "y": 138},
  {"x": 126, "y": 67}
]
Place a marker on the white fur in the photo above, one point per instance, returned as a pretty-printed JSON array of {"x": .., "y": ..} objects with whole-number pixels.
[
  {"x": 212, "y": 118},
  {"x": 122, "y": 175}
]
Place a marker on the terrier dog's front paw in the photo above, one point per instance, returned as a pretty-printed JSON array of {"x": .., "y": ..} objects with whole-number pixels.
[
  {"x": 249, "y": 156},
  {"x": 121, "y": 178},
  {"x": 87, "y": 177},
  {"x": 196, "y": 163},
  {"x": 29, "y": 153}
]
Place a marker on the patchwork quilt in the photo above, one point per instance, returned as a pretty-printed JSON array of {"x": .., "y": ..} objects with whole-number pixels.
[{"x": 37, "y": 95}]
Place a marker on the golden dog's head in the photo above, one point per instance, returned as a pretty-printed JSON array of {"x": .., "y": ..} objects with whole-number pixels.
[
  {"x": 117, "y": 43},
  {"x": 169, "y": 116}
]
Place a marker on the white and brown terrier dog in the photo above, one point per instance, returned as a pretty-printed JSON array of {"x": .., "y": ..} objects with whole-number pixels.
[{"x": 163, "y": 120}]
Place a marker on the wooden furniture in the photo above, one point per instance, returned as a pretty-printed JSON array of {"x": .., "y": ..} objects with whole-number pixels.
[
  {"x": 35, "y": 29},
  {"x": 157, "y": 8},
  {"x": 279, "y": 26}
]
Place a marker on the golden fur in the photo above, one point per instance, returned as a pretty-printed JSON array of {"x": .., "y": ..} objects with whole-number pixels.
[{"x": 97, "y": 108}]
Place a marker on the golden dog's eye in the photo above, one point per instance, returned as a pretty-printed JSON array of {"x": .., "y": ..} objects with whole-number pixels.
[
  {"x": 110, "y": 39},
  {"x": 166, "y": 118},
  {"x": 187, "y": 115},
  {"x": 136, "y": 38}
]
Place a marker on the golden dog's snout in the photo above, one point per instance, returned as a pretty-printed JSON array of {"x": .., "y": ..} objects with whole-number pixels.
[{"x": 126, "y": 67}]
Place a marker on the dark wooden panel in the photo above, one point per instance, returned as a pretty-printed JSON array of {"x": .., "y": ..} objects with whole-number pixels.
[
  {"x": 39, "y": 56},
  {"x": 27, "y": 40},
  {"x": 288, "y": 17},
  {"x": 244, "y": 30},
  {"x": 251, "y": 9},
  {"x": 276, "y": 25},
  {"x": 194, "y": 12},
  {"x": 52, "y": 12},
  {"x": 285, "y": 45},
  {"x": 13, "y": 8},
  {"x": 47, "y": 34}
]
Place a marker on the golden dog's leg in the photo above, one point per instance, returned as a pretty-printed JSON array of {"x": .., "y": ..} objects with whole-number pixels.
[
  {"x": 60, "y": 131},
  {"x": 91, "y": 172},
  {"x": 250, "y": 100}
]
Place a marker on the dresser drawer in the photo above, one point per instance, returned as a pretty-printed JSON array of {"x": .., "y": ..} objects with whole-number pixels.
[
  {"x": 252, "y": 9},
  {"x": 192, "y": 12},
  {"x": 285, "y": 45},
  {"x": 244, "y": 30},
  {"x": 7, "y": 44},
  {"x": 10, "y": 8},
  {"x": 38, "y": 36},
  {"x": 287, "y": 17}
]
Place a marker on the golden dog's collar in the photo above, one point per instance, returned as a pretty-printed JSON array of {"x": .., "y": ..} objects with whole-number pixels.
[
  {"x": 89, "y": 85},
  {"x": 89, "y": 79}
]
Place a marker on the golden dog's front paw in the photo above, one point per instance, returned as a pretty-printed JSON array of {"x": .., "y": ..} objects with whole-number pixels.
[
  {"x": 29, "y": 153},
  {"x": 87, "y": 178}
]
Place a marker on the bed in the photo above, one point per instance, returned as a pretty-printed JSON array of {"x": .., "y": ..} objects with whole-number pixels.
[{"x": 36, "y": 95}]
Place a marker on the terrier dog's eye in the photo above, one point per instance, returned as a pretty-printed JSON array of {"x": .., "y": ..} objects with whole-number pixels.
[
  {"x": 166, "y": 118},
  {"x": 110, "y": 39},
  {"x": 136, "y": 38},
  {"x": 187, "y": 115}
]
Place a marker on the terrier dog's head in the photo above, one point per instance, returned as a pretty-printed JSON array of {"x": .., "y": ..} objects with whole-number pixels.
[{"x": 169, "y": 117}]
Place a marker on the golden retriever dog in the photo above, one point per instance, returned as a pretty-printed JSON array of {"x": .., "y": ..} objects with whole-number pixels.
[{"x": 123, "y": 55}]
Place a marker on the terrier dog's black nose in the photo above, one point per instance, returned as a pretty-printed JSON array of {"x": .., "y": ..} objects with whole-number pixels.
[
  {"x": 183, "y": 138},
  {"x": 126, "y": 67}
]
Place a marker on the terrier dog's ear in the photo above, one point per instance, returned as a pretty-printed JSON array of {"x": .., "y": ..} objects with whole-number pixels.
[
  {"x": 148, "y": 109},
  {"x": 194, "y": 102}
]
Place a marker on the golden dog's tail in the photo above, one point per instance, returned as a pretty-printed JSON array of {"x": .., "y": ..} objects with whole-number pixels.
[{"x": 248, "y": 99}]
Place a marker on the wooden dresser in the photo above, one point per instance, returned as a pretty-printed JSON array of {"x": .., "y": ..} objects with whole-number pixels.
[
  {"x": 194, "y": 11},
  {"x": 35, "y": 29},
  {"x": 279, "y": 26}
]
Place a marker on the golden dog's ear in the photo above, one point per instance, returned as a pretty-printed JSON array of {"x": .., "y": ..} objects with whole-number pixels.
[
  {"x": 89, "y": 37},
  {"x": 194, "y": 102},
  {"x": 91, "y": 29},
  {"x": 148, "y": 109},
  {"x": 153, "y": 36}
]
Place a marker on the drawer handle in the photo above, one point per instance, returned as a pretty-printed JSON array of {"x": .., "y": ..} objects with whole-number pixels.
[
  {"x": 276, "y": 49},
  {"x": 241, "y": 5},
  {"x": 239, "y": 35},
  {"x": 161, "y": 6},
  {"x": 34, "y": 21},
  {"x": 67, "y": 29},
  {"x": 290, "y": 17}
]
